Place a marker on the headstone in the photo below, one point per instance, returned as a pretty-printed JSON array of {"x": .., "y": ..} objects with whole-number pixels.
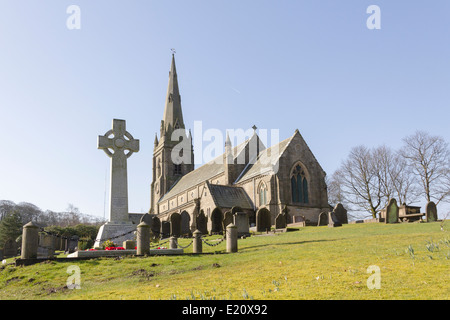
[
  {"x": 263, "y": 220},
  {"x": 241, "y": 223},
  {"x": 30, "y": 241},
  {"x": 130, "y": 244},
  {"x": 114, "y": 143},
  {"x": 216, "y": 221},
  {"x": 392, "y": 211},
  {"x": 165, "y": 229},
  {"x": 10, "y": 248},
  {"x": 147, "y": 218},
  {"x": 201, "y": 223},
  {"x": 72, "y": 244},
  {"x": 231, "y": 235},
  {"x": 156, "y": 225},
  {"x": 175, "y": 224},
  {"x": 340, "y": 213},
  {"x": 47, "y": 241},
  {"x": 280, "y": 221},
  {"x": 333, "y": 221},
  {"x": 431, "y": 212},
  {"x": 43, "y": 253},
  {"x": 153, "y": 221},
  {"x": 227, "y": 219},
  {"x": 185, "y": 224},
  {"x": 323, "y": 219}
]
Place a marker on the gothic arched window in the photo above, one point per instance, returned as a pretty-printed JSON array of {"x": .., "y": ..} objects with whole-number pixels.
[
  {"x": 262, "y": 194},
  {"x": 299, "y": 185}
]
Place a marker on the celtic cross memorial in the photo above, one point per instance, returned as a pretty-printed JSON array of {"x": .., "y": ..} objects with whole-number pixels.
[{"x": 119, "y": 145}]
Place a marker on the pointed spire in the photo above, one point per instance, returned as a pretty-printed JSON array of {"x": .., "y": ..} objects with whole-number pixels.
[
  {"x": 156, "y": 140},
  {"x": 228, "y": 151},
  {"x": 228, "y": 141},
  {"x": 173, "y": 115}
]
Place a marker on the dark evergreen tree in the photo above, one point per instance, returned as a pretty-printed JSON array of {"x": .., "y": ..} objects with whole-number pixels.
[{"x": 10, "y": 227}]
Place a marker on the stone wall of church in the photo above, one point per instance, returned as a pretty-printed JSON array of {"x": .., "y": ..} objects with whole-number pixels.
[{"x": 298, "y": 152}]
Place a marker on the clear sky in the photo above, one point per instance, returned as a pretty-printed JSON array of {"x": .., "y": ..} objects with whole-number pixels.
[{"x": 312, "y": 65}]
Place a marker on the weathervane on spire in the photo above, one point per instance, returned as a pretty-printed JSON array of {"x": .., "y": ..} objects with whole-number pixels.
[{"x": 173, "y": 50}]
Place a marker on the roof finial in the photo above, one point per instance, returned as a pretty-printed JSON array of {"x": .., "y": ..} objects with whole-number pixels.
[
  {"x": 254, "y": 128},
  {"x": 173, "y": 51}
]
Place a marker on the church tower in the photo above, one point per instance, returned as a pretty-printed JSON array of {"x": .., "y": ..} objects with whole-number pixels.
[{"x": 173, "y": 154}]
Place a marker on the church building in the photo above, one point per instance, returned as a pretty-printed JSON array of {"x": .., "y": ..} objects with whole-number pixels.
[{"x": 249, "y": 177}]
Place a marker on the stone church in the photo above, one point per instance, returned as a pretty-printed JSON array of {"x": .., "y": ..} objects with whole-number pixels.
[{"x": 250, "y": 177}]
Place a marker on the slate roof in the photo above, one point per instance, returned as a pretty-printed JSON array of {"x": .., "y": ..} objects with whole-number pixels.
[
  {"x": 203, "y": 173},
  {"x": 228, "y": 197},
  {"x": 266, "y": 161}
]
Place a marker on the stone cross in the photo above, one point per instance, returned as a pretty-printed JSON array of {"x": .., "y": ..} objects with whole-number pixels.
[{"x": 114, "y": 143}]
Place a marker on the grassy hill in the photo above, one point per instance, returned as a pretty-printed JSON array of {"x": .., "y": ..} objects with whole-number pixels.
[{"x": 307, "y": 263}]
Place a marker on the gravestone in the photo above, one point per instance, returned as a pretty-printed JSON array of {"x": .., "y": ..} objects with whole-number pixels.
[
  {"x": 129, "y": 244},
  {"x": 114, "y": 143},
  {"x": 280, "y": 221},
  {"x": 48, "y": 242},
  {"x": 156, "y": 225},
  {"x": 43, "y": 253},
  {"x": 263, "y": 220},
  {"x": 287, "y": 216},
  {"x": 10, "y": 248},
  {"x": 392, "y": 211},
  {"x": 323, "y": 219},
  {"x": 153, "y": 221},
  {"x": 165, "y": 229},
  {"x": 185, "y": 224},
  {"x": 147, "y": 218},
  {"x": 201, "y": 223},
  {"x": 216, "y": 221},
  {"x": 431, "y": 212},
  {"x": 227, "y": 219},
  {"x": 72, "y": 244},
  {"x": 241, "y": 223},
  {"x": 340, "y": 213},
  {"x": 175, "y": 224},
  {"x": 333, "y": 221}
]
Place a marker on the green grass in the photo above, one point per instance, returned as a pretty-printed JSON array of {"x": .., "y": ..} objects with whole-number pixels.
[{"x": 310, "y": 263}]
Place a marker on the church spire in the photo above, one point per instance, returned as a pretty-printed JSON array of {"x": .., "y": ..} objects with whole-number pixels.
[{"x": 173, "y": 115}]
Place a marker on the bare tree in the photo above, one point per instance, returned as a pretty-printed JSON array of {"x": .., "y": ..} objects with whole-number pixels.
[
  {"x": 334, "y": 189},
  {"x": 404, "y": 181},
  {"x": 361, "y": 181},
  {"x": 428, "y": 156}
]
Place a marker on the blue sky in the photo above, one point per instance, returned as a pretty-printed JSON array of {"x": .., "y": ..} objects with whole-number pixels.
[{"x": 311, "y": 65}]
